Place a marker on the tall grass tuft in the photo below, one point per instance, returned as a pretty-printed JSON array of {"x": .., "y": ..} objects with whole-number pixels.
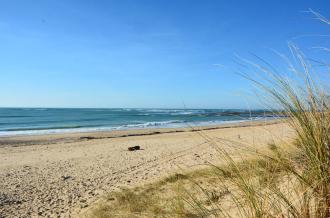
[
  {"x": 286, "y": 185},
  {"x": 288, "y": 180}
]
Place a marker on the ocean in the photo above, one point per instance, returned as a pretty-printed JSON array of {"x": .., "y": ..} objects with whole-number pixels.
[{"x": 34, "y": 121}]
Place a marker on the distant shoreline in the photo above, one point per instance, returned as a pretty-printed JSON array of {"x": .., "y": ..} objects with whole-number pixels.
[
  {"x": 73, "y": 130},
  {"x": 52, "y": 138},
  {"x": 45, "y": 121}
]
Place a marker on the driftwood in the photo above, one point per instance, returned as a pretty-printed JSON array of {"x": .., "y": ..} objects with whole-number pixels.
[{"x": 134, "y": 148}]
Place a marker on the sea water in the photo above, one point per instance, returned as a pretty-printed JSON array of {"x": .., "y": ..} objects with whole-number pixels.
[{"x": 27, "y": 121}]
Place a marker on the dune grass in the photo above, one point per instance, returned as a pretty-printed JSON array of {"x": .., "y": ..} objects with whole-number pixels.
[
  {"x": 291, "y": 180},
  {"x": 303, "y": 188}
]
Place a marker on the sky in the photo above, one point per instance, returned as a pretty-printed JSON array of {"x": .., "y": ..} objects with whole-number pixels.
[{"x": 146, "y": 53}]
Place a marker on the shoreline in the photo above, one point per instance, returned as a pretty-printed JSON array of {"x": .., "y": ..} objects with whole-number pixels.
[
  {"x": 170, "y": 124},
  {"x": 52, "y": 138}
]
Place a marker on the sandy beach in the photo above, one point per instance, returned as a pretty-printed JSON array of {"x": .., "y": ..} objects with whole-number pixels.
[{"x": 61, "y": 175}]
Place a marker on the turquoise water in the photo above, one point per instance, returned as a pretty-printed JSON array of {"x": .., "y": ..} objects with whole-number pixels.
[{"x": 24, "y": 121}]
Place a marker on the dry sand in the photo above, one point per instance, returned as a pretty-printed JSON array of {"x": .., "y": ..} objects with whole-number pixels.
[{"x": 60, "y": 175}]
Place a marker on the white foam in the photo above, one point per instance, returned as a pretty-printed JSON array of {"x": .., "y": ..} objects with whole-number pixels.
[{"x": 156, "y": 124}]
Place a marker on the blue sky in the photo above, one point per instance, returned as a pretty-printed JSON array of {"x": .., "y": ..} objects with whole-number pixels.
[{"x": 155, "y": 53}]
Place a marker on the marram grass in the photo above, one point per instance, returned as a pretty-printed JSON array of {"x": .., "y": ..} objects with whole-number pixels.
[{"x": 289, "y": 181}]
